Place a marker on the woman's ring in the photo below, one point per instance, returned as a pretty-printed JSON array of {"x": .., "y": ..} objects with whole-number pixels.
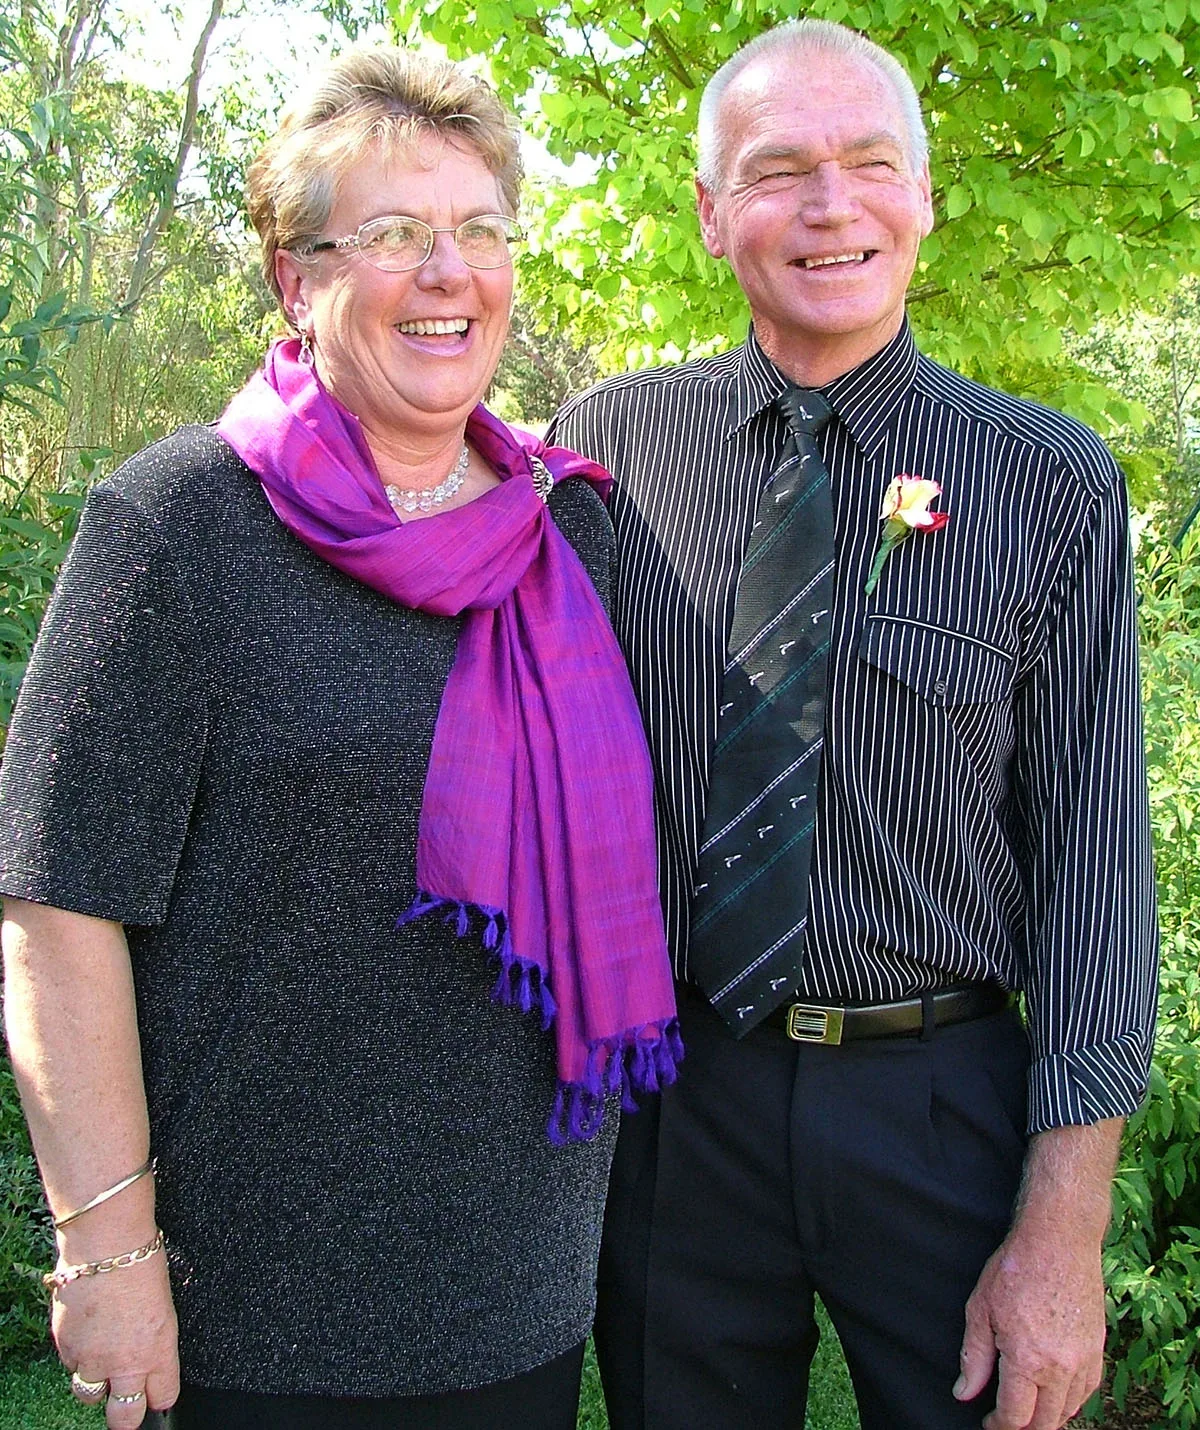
[
  {"x": 127, "y": 1399},
  {"x": 89, "y": 1390}
]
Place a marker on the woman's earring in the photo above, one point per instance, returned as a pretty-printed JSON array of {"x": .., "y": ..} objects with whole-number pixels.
[{"x": 306, "y": 352}]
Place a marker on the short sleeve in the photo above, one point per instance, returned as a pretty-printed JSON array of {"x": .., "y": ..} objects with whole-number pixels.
[
  {"x": 581, "y": 517},
  {"x": 103, "y": 756}
]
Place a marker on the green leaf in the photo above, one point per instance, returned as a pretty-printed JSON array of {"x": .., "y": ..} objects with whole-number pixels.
[
  {"x": 958, "y": 201},
  {"x": 1062, "y": 58},
  {"x": 1035, "y": 223},
  {"x": 1171, "y": 103},
  {"x": 49, "y": 309}
]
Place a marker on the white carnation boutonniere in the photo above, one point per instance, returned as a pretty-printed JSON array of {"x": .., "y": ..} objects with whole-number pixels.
[{"x": 905, "y": 510}]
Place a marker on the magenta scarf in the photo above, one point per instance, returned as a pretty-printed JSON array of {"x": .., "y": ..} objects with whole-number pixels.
[{"x": 536, "y": 823}]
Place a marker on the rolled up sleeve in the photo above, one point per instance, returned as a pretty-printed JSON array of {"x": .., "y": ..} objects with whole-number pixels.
[{"x": 1081, "y": 824}]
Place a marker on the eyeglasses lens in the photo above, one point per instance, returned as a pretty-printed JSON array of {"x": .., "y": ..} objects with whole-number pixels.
[
  {"x": 483, "y": 243},
  {"x": 396, "y": 244}
]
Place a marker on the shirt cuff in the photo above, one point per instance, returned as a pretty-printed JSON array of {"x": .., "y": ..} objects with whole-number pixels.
[{"x": 1089, "y": 1084}]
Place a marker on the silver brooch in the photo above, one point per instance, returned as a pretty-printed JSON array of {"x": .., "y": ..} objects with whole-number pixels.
[{"x": 543, "y": 481}]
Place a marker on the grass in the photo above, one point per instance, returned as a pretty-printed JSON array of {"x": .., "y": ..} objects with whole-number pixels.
[{"x": 34, "y": 1395}]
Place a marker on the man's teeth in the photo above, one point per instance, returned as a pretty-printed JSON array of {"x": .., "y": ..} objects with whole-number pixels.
[
  {"x": 840, "y": 258},
  {"x": 426, "y": 326}
]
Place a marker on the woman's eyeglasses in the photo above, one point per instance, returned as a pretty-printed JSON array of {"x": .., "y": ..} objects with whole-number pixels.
[{"x": 397, "y": 243}]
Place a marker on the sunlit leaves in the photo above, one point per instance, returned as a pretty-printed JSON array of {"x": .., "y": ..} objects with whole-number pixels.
[{"x": 1066, "y": 160}]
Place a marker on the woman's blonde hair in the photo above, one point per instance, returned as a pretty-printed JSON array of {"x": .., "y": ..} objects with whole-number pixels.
[{"x": 380, "y": 99}]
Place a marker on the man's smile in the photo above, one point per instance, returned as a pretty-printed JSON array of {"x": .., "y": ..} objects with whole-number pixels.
[{"x": 836, "y": 259}]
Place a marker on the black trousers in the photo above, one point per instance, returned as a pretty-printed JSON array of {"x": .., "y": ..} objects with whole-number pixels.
[
  {"x": 545, "y": 1398},
  {"x": 880, "y": 1175}
]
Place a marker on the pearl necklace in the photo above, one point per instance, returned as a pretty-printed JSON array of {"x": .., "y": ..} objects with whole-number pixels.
[{"x": 404, "y": 500}]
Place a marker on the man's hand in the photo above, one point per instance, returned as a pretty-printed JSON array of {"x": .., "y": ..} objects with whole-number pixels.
[
  {"x": 1039, "y": 1302},
  {"x": 1039, "y": 1305}
]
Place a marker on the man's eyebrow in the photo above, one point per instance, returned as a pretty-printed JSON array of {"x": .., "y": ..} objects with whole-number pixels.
[{"x": 877, "y": 139}]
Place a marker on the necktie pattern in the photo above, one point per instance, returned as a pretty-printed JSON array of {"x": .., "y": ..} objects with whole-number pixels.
[{"x": 751, "y": 889}]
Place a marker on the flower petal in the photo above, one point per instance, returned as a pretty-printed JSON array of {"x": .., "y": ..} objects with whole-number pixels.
[
  {"x": 892, "y": 498},
  {"x": 916, "y": 494}
]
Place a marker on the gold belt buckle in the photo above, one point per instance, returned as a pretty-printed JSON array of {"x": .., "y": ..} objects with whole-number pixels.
[{"x": 810, "y": 1023}]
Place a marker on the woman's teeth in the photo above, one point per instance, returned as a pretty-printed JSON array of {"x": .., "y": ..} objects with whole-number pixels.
[{"x": 426, "y": 326}]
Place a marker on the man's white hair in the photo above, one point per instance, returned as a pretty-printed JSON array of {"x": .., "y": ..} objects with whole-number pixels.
[{"x": 805, "y": 36}]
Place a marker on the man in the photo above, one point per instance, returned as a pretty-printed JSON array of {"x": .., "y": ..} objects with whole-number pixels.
[{"x": 861, "y": 1114}]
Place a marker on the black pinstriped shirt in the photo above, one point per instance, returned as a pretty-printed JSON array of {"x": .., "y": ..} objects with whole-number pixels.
[{"x": 982, "y": 810}]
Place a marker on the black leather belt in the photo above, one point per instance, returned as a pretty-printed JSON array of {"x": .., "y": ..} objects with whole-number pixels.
[{"x": 822, "y": 1023}]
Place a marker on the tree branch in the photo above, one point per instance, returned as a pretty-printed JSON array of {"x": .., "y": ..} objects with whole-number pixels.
[
  {"x": 923, "y": 292},
  {"x": 187, "y": 130},
  {"x": 674, "y": 62}
]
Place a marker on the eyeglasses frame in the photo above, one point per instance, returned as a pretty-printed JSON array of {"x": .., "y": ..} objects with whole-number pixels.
[{"x": 352, "y": 242}]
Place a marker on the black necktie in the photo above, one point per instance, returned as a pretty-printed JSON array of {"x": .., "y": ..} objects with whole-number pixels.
[{"x": 751, "y": 890}]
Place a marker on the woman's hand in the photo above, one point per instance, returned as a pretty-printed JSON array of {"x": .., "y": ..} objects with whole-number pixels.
[{"x": 120, "y": 1327}]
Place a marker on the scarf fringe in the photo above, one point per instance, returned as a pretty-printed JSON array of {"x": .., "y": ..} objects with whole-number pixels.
[
  {"x": 520, "y": 982},
  {"x": 642, "y": 1060},
  {"x": 638, "y": 1061}
]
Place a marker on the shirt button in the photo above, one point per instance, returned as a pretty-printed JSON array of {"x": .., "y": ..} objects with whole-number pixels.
[{"x": 939, "y": 689}]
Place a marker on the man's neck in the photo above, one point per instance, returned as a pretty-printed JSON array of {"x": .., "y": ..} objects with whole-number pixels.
[{"x": 816, "y": 364}]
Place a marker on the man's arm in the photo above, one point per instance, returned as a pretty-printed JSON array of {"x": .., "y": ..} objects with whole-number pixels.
[
  {"x": 1039, "y": 1304},
  {"x": 1081, "y": 827}
]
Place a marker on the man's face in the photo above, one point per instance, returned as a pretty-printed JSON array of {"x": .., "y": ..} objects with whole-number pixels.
[{"x": 819, "y": 211}]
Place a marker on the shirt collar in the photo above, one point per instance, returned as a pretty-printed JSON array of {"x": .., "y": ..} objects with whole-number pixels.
[{"x": 865, "y": 399}]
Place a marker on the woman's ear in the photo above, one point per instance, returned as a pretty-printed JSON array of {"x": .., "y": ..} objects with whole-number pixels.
[{"x": 293, "y": 275}]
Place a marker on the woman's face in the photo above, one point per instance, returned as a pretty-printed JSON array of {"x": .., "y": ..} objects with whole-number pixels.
[{"x": 365, "y": 324}]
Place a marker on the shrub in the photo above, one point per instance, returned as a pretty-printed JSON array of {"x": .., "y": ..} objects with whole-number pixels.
[
  {"x": 1153, "y": 1253},
  {"x": 35, "y": 531},
  {"x": 26, "y": 1245}
]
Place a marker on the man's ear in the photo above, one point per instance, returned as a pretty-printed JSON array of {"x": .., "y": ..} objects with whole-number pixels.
[{"x": 706, "y": 209}]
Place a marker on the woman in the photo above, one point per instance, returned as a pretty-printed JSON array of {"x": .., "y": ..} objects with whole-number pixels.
[{"x": 326, "y": 754}]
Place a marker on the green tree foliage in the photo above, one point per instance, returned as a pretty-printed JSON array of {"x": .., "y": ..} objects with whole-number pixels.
[
  {"x": 123, "y": 296},
  {"x": 38, "y": 318},
  {"x": 1066, "y": 164},
  {"x": 1153, "y": 358},
  {"x": 537, "y": 373},
  {"x": 113, "y": 187}
]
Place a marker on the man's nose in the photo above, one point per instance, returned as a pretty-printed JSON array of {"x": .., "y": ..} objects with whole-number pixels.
[{"x": 829, "y": 196}]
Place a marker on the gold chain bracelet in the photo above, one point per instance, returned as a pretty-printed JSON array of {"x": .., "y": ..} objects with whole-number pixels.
[{"x": 56, "y": 1280}]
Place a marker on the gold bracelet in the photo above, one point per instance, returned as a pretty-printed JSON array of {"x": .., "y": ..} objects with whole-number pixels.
[
  {"x": 56, "y": 1280},
  {"x": 145, "y": 1170}
]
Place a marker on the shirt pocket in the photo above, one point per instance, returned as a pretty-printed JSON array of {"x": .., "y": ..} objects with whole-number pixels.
[{"x": 946, "y": 668}]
